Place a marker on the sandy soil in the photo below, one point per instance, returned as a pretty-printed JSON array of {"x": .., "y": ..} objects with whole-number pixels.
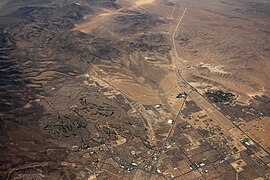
[
  {"x": 91, "y": 22},
  {"x": 45, "y": 75},
  {"x": 135, "y": 91},
  {"x": 232, "y": 59},
  {"x": 170, "y": 89},
  {"x": 258, "y": 129},
  {"x": 142, "y": 2}
]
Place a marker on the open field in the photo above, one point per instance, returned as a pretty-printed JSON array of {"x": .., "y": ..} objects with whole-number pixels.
[
  {"x": 142, "y": 89},
  {"x": 142, "y": 2},
  {"x": 258, "y": 129}
]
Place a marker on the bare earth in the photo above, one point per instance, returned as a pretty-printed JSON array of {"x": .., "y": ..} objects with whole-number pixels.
[
  {"x": 143, "y": 89},
  {"x": 142, "y": 2}
]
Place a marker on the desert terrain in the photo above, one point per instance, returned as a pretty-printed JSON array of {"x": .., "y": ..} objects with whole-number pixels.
[{"x": 138, "y": 89}]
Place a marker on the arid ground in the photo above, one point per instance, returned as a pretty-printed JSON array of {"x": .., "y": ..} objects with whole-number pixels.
[{"x": 137, "y": 89}]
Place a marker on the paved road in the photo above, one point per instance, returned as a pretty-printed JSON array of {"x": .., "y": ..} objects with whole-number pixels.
[{"x": 173, "y": 34}]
